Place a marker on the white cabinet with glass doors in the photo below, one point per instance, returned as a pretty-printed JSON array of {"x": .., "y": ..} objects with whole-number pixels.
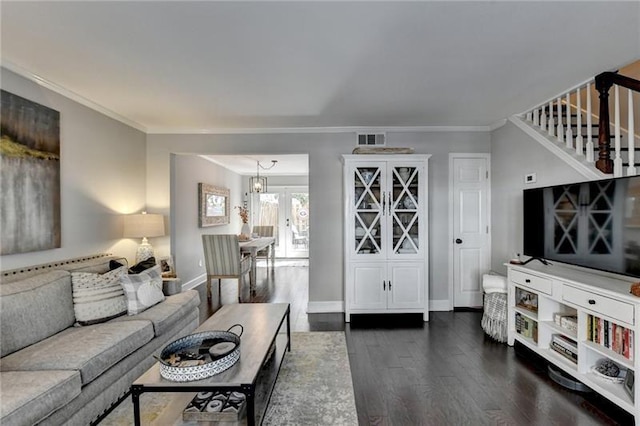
[{"x": 386, "y": 239}]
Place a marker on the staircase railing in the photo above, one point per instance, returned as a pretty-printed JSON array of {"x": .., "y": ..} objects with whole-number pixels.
[{"x": 561, "y": 118}]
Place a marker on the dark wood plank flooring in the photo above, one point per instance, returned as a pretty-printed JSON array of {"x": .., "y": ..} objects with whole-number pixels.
[{"x": 444, "y": 372}]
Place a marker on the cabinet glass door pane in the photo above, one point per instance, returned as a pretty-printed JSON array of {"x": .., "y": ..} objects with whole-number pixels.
[
  {"x": 404, "y": 209},
  {"x": 368, "y": 210}
]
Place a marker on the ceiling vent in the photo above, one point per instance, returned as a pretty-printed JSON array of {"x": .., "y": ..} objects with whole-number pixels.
[{"x": 371, "y": 139}]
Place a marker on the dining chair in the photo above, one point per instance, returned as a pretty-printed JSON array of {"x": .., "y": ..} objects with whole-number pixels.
[
  {"x": 264, "y": 231},
  {"x": 223, "y": 260}
]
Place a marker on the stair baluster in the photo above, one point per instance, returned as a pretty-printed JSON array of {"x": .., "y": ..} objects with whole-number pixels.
[
  {"x": 550, "y": 122},
  {"x": 560, "y": 130},
  {"x": 579, "y": 139},
  {"x": 589, "y": 146},
  {"x": 631, "y": 169},
  {"x": 543, "y": 120},
  {"x": 536, "y": 117},
  {"x": 569, "y": 136},
  {"x": 617, "y": 160}
]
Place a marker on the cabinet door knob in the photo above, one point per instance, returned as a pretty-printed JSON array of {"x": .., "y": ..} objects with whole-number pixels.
[
  {"x": 458, "y": 241},
  {"x": 527, "y": 280},
  {"x": 384, "y": 285},
  {"x": 389, "y": 285},
  {"x": 592, "y": 302}
]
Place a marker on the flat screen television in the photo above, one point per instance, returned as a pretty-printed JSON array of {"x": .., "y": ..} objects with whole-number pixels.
[{"x": 593, "y": 224}]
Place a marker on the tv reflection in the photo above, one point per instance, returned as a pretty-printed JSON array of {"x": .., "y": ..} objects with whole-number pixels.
[{"x": 594, "y": 224}]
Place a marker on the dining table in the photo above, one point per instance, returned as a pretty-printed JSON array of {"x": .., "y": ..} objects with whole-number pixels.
[{"x": 252, "y": 247}]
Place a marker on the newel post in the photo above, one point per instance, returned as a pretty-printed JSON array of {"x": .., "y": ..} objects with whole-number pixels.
[{"x": 604, "y": 162}]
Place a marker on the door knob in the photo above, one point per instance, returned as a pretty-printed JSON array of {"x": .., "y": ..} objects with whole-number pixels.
[{"x": 458, "y": 241}]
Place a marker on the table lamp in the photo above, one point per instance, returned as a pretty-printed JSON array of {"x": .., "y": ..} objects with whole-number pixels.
[{"x": 143, "y": 226}]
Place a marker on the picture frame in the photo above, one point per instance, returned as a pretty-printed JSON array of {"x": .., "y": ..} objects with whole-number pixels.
[
  {"x": 213, "y": 205},
  {"x": 167, "y": 267},
  {"x": 628, "y": 383}
]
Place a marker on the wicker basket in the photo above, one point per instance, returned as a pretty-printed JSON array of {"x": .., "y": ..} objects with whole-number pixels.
[{"x": 194, "y": 341}]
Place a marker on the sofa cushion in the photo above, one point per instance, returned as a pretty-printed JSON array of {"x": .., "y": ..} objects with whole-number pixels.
[
  {"x": 98, "y": 297},
  {"x": 90, "y": 350},
  {"x": 143, "y": 290},
  {"x": 34, "y": 309},
  {"x": 165, "y": 315},
  {"x": 30, "y": 396}
]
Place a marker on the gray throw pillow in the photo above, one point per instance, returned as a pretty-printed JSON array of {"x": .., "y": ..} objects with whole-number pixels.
[{"x": 142, "y": 290}]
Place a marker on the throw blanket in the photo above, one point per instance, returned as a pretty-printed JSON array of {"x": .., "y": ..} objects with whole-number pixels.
[{"x": 494, "y": 319}]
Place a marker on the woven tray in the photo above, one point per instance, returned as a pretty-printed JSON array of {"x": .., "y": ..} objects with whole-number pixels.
[{"x": 177, "y": 359}]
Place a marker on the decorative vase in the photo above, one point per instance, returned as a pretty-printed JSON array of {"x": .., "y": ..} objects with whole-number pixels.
[{"x": 245, "y": 230}]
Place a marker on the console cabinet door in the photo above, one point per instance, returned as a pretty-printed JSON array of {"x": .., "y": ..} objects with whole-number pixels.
[
  {"x": 406, "y": 286},
  {"x": 368, "y": 290}
]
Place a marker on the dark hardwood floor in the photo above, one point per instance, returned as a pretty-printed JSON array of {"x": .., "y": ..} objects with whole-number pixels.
[{"x": 444, "y": 372}]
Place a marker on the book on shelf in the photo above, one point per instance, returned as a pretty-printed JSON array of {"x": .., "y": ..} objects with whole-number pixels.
[
  {"x": 526, "y": 327},
  {"x": 612, "y": 336},
  {"x": 571, "y": 356},
  {"x": 566, "y": 321},
  {"x": 565, "y": 342}
]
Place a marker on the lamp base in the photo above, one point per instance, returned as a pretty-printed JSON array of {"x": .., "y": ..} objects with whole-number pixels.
[{"x": 144, "y": 252}]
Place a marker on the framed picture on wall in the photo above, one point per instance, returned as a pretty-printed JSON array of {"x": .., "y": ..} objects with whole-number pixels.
[
  {"x": 213, "y": 205},
  {"x": 167, "y": 267}
]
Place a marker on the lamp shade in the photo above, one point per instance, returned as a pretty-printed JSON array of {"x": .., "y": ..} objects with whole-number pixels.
[{"x": 143, "y": 225}]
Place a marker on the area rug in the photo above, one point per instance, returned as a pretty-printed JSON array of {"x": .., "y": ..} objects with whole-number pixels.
[{"x": 314, "y": 387}]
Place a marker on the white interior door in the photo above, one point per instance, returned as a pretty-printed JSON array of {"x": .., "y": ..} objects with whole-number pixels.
[{"x": 471, "y": 240}]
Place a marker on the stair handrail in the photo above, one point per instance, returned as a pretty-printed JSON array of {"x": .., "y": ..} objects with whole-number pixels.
[{"x": 603, "y": 83}]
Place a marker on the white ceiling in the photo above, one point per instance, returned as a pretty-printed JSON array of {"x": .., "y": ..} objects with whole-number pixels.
[
  {"x": 286, "y": 165},
  {"x": 201, "y": 66}
]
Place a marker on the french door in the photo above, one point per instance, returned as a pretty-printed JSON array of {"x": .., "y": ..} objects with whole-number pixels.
[{"x": 287, "y": 210}]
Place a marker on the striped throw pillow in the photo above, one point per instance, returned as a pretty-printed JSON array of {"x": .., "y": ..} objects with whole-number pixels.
[
  {"x": 143, "y": 290},
  {"x": 98, "y": 297}
]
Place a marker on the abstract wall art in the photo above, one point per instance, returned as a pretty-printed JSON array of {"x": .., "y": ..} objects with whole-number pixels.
[{"x": 29, "y": 176}]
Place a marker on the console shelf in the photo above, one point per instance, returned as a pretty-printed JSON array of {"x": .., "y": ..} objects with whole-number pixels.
[{"x": 562, "y": 303}]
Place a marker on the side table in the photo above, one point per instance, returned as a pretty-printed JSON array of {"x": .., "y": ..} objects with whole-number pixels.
[{"x": 171, "y": 286}]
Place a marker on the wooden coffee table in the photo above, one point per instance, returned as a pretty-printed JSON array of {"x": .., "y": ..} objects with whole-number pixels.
[{"x": 263, "y": 325}]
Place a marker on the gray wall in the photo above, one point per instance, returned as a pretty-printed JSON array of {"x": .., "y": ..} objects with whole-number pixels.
[
  {"x": 186, "y": 248},
  {"x": 325, "y": 190},
  {"x": 102, "y": 168},
  {"x": 513, "y": 155}
]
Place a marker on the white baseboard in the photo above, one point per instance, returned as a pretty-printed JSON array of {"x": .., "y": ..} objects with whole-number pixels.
[
  {"x": 439, "y": 305},
  {"x": 325, "y": 307},
  {"x": 194, "y": 282},
  {"x": 338, "y": 306}
]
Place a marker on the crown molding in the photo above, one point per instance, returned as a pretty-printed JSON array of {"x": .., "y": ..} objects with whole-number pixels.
[
  {"x": 343, "y": 129},
  {"x": 232, "y": 131},
  {"x": 41, "y": 81}
]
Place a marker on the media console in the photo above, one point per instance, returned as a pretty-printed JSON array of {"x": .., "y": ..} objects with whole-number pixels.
[{"x": 574, "y": 318}]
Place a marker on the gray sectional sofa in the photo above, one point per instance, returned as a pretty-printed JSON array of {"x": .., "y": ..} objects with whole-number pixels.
[{"x": 53, "y": 373}]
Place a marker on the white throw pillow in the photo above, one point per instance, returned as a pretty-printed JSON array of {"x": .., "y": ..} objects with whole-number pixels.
[
  {"x": 98, "y": 297},
  {"x": 143, "y": 290}
]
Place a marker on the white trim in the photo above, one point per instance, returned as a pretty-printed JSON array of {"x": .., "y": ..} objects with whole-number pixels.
[
  {"x": 452, "y": 156},
  {"x": 343, "y": 129},
  {"x": 232, "y": 131},
  {"x": 325, "y": 307},
  {"x": 194, "y": 282},
  {"x": 587, "y": 170},
  {"x": 71, "y": 95},
  {"x": 439, "y": 305},
  {"x": 497, "y": 124}
]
